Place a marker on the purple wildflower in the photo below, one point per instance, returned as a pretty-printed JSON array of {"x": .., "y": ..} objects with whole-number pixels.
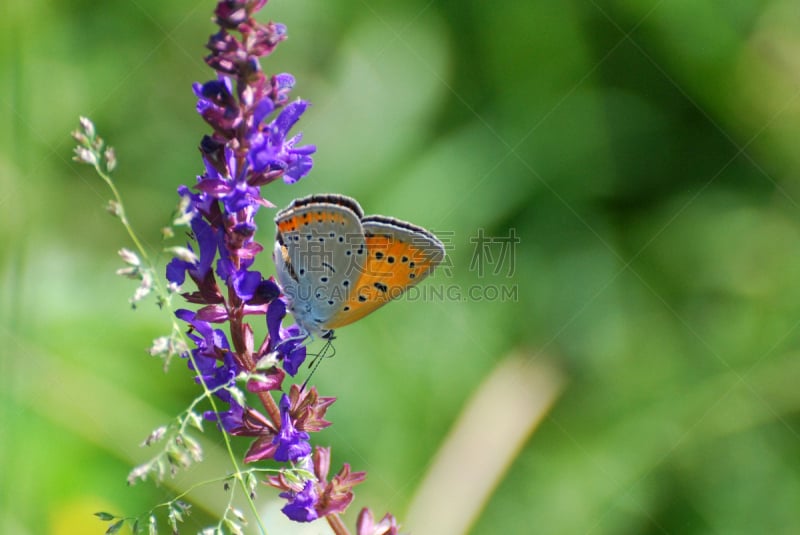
[
  {"x": 282, "y": 84},
  {"x": 207, "y": 241},
  {"x": 336, "y": 494},
  {"x": 271, "y": 152},
  {"x": 301, "y": 506},
  {"x": 331, "y": 497},
  {"x": 305, "y": 413},
  {"x": 212, "y": 354},
  {"x": 291, "y": 443},
  {"x": 286, "y": 343},
  {"x": 217, "y": 105}
]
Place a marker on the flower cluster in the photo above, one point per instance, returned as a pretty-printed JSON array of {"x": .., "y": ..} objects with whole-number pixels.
[
  {"x": 250, "y": 146},
  {"x": 251, "y": 117},
  {"x": 310, "y": 500}
]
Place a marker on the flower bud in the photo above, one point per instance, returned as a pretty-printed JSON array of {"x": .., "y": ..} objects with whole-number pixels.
[
  {"x": 114, "y": 208},
  {"x": 129, "y": 273},
  {"x": 84, "y": 155},
  {"x": 111, "y": 159},
  {"x": 129, "y": 257},
  {"x": 80, "y": 137},
  {"x": 88, "y": 126}
]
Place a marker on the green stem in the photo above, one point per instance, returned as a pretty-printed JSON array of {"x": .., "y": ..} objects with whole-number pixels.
[
  {"x": 207, "y": 393},
  {"x": 123, "y": 218}
]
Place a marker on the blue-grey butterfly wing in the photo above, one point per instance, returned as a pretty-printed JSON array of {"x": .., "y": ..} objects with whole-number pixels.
[{"x": 319, "y": 249}]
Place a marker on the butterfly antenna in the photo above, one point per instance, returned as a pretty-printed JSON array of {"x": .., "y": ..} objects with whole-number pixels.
[{"x": 327, "y": 351}]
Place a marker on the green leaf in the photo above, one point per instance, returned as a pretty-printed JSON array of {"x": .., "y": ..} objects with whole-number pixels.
[
  {"x": 105, "y": 516},
  {"x": 115, "y": 527}
]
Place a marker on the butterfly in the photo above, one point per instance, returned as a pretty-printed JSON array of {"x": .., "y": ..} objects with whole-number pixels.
[{"x": 336, "y": 266}]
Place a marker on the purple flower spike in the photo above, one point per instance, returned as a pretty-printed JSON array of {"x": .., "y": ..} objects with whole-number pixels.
[{"x": 253, "y": 143}]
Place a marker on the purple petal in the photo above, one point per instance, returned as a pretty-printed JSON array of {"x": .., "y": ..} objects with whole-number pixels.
[
  {"x": 185, "y": 315},
  {"x": 246, "y": 284},
  {"x": 264, "y": 108},
  {"x": 295, "y": 359},
  {"x": 176, "y": 270},
  {"x": 261, "y": 448},
  {"x": 297, "y": 170},
  {"x": 305, "y": 150},
  {"x": 286, "y": 120},
  {"x": 275, "y": 314}
]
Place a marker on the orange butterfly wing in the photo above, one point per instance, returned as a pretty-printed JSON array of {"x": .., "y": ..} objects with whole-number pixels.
[{"x": 399, "y": 255}]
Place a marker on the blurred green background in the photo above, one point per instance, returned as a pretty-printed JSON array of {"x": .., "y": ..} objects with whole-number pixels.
[{"x": 644, "y": 152}]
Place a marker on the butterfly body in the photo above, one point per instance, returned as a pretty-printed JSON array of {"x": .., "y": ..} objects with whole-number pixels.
[{"x": 336, "y": 266}]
